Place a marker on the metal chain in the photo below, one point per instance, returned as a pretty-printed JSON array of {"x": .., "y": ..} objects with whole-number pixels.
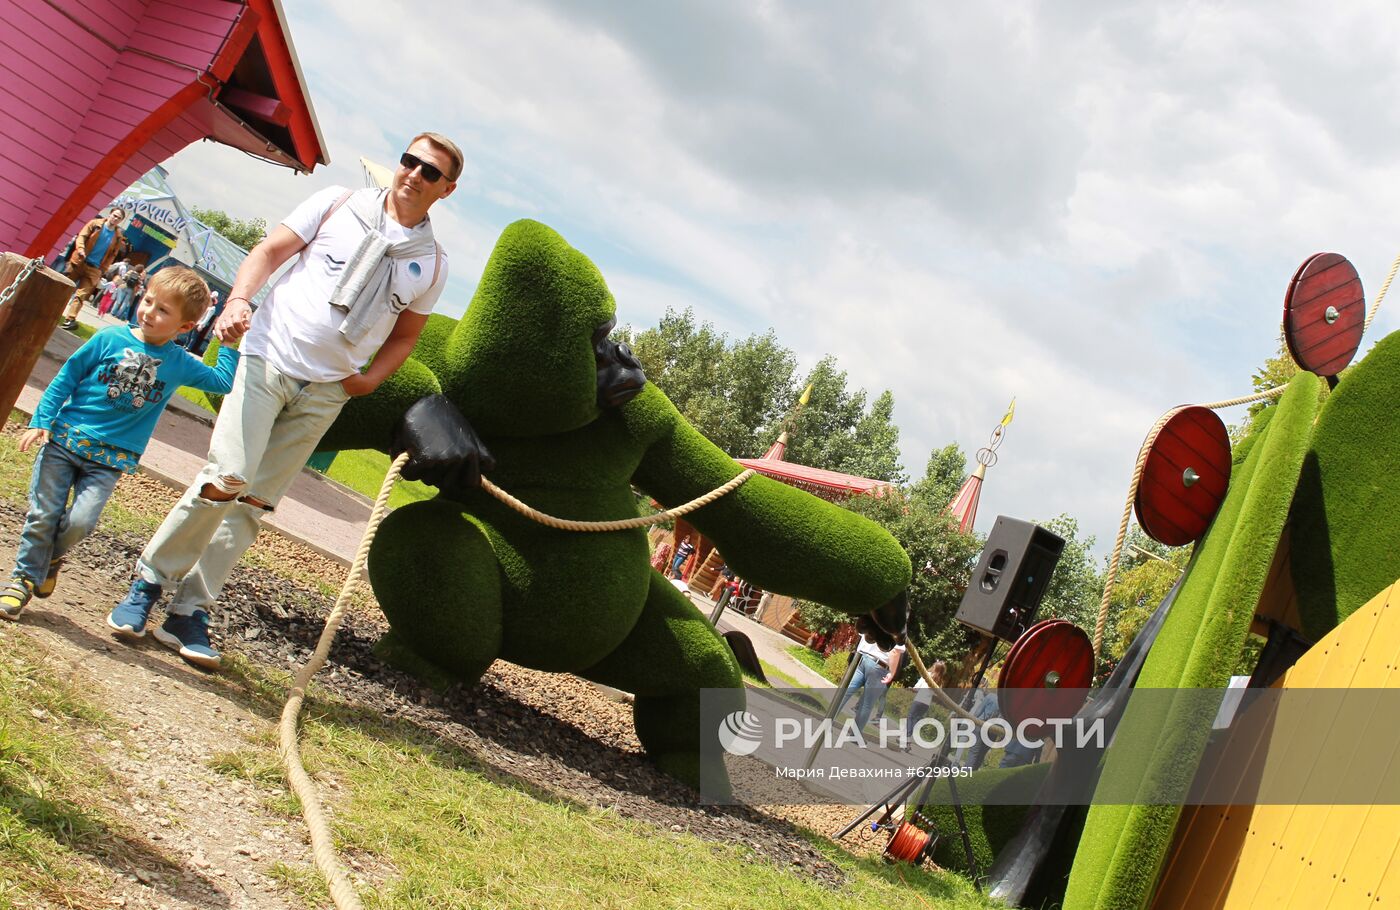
[{"x": 24, "y": 273}]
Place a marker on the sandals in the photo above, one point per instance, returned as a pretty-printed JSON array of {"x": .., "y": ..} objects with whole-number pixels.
[
  {"x": 45, "y": 587},
  {"x": 14, "y": 597}
]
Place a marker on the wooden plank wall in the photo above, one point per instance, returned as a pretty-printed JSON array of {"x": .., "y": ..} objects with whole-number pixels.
[
  {"x": 86, "y": 86},
  {"x": 1310, "y": 857}
]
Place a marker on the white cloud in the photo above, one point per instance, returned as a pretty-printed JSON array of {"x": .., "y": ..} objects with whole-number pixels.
[{"x": 1096, "y": 209}]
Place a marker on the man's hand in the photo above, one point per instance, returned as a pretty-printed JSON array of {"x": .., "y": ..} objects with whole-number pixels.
[
  {"x": 234, "y": 321},
  {"x": 357, "y": 384},
  {"x": 31, "y": 437},
  {"x": 445, "y": 449}
]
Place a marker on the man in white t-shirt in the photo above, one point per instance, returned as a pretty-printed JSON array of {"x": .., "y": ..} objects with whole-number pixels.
[
  {"x": 366, "y": 278},
  {"x": 873, "y": 676}
]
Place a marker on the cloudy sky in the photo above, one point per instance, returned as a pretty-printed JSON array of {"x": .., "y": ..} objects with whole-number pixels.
[{"x": 1095, "y": 208}]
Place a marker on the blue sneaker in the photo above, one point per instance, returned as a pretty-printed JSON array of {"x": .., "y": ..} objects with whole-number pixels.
[
  {"x": 189, "y": 635},
  {"x": 128, "y": 617}
]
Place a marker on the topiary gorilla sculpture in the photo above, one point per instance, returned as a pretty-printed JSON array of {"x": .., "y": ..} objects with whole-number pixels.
[{"x": 573, "y": 426}]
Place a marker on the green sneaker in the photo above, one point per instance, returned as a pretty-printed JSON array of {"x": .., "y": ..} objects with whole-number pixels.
[{"x": 14, "y": 597}]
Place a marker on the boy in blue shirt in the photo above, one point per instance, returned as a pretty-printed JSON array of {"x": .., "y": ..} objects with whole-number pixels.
[{"x": 95, "y": 419}]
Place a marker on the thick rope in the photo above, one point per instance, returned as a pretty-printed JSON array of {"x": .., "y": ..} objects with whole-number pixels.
[
  {"x": 1151, "y": 437},
  {"x": 1380, "y": 295},
  {"x": 943, "y": 697},
  {"x": 641, "y": 521},
  {"x": 1276, "y": 391},
  {"x": 322, "y": 843}
]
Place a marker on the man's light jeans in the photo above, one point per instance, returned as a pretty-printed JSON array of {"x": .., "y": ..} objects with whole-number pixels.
[{"x": 267, "y": 428}]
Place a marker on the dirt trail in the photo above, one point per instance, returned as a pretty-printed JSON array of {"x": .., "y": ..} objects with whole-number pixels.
[{"x": 209, "y": 840}]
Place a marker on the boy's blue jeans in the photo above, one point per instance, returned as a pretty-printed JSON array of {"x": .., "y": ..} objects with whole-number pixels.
[{"x": 52, "y": 526}]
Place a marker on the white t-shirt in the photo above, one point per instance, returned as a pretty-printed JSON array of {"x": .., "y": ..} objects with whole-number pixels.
[
  {"x": 869, "y": 647},
  {"x": 296, "y": 329}
]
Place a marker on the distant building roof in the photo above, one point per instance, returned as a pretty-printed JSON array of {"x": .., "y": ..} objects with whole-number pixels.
[
  {"x": 196, "y": 244},
  {"x": 831, "y": 485}
]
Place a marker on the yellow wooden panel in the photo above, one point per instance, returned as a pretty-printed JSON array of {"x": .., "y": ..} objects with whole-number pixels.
[
  {"x": 1361, "y": 879},
  {"x": 1279, "y": 857}
]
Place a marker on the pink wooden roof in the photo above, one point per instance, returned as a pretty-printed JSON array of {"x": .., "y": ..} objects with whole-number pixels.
[
  {"x": 826, "y": 484},
  {"x": 96, "y": 92}
]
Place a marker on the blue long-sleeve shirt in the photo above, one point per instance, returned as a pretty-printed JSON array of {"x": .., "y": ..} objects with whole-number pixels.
[{"x": 114, "y": 388}]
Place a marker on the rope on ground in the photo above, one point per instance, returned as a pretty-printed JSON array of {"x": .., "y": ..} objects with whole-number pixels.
[
  {"x": 322, "y": 843},
  {"x": 641, "y": 521}
]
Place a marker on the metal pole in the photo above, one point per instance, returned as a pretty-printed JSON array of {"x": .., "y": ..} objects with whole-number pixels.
[{"x": 835, "y": 705}]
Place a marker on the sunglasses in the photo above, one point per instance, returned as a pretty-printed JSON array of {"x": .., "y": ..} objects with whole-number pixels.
[{"x": 409, "y": 162}]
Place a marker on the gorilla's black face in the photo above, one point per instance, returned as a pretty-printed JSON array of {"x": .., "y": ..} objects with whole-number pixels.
[{"x": 620, "y": 375}]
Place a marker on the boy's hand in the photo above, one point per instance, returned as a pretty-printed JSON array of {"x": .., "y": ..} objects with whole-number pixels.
[
  {"x": 234, "y": 321},
  {"x": 31, "y": 436}
]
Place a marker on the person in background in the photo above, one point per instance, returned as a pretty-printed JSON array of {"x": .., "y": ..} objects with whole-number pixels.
[
  {"x": 128, "y": 292},
  {"x": 96, "y": 247},
  {"x": 923, "y": 697},
  {"x": 199, "y": 338},
  {"x": 683, "y": 553},
  {"x": 876, "y": 671},
  {"x": 661, "y": 559},
  {"x": 723, "y": 578}
]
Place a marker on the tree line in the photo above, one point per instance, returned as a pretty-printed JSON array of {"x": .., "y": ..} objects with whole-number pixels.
[{"x": 742, "y": 392}]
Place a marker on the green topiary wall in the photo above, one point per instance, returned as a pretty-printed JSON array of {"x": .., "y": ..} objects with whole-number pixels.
[
  {"x": 1123, "y": 846},
  {"x": 1346, "y": 517}
]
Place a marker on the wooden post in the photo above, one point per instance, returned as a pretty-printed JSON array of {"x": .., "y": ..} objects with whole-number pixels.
[{"x": 27, "y": 320}]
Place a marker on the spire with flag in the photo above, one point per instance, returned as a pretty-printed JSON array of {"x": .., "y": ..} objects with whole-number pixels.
[{"x": 964, "y": 505}]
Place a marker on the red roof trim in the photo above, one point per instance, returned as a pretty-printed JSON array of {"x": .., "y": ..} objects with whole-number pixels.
[
  {"x": 833, "y": 480},
  {"x": 281, "y": 62},
  {"x": 239, "y": 37}
]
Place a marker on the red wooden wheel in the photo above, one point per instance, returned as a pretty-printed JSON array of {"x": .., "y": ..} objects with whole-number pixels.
[
  {"x": 1045, "y": 673},
  {"x": 1324, "y": 314},
  {"x": 909, "y": 843},
  {"x": 1185, "y": 477}
]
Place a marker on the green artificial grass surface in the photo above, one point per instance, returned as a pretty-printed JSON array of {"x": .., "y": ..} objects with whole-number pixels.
[
  {"x": 1346, "y": 533},
  {"x": 1124, "y": 845},
  {"x": 521, "y": 367}
]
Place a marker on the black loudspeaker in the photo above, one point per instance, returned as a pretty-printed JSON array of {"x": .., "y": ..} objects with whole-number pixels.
[{"x": 1010, "y": 579}]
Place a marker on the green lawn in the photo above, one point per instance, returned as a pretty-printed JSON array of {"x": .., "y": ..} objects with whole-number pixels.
[
  {"x": 459, "y": 834},
  {"x": 52, "y": 824}
]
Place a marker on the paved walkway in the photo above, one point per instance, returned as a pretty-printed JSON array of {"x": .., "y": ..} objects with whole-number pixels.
[{"x": 318, "y": 512}]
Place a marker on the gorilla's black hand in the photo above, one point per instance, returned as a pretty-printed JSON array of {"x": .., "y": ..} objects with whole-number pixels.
[
  {"x": 887, "y": 625},
  {"x": 444, "y": 449}
]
